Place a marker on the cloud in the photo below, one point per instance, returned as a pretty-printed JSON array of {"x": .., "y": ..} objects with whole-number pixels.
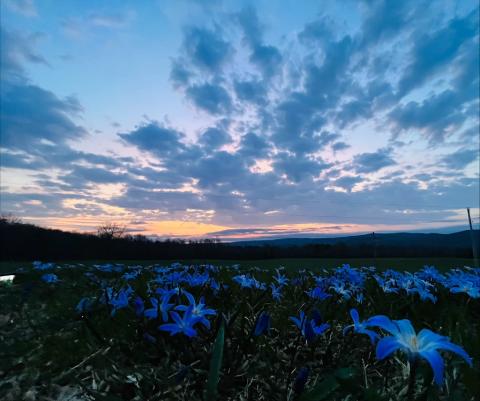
[
  {"x": 251, "y": 91},
  {"x": 24, "y": 7},
  {"x": 339, "y": 146},
  {"x": 253, "y": 146},
  {"x": 267, "y": 58},
  {"x": 432, "y": 51},
  {"x": 17, "y": 49},
  {"x": 298, "y": 168},
  {"x": 151, "y": 137},
  {"x": 81, "y": 26},
  {"x": 437, "y": 116},
  {"x": 385, "y": 19},
  {"x": 347, "y": 182},
  {"x": 113, "y": 20},
  {"x": 211, "y": 98},
  {"x": 374, "y": 161},
  {"x": 206, "y": 49},
  {"x": 180, "y": 75},
  {"x": 218, "y": 168},
  {"x": 460, "y": 159},
  {"x": 213, "y": 138},
  {"x": 81, "y": 175},
  {"x": 25, "y": 125}
]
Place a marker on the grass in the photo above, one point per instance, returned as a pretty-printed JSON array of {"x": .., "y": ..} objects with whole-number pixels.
[
  {"x": 407, "y": 264},
  {"x": 53, "y": 352}
]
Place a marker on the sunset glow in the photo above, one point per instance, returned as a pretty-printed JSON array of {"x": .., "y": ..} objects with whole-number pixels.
[{"x": 236, "y": 119}]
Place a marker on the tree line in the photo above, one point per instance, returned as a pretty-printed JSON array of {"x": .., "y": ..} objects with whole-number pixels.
[{"x": 26, "y": 242}]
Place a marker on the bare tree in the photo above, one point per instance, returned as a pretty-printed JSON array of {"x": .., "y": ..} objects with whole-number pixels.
[
  {"x": 111, "y": 230},
  {"x": 10, "y": 218}
]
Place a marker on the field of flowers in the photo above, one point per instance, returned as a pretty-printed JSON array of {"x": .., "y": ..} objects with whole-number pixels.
[{"x": 204, "y": 332}]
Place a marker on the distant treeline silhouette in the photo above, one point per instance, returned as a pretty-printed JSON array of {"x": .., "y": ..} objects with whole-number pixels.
[{"x": 26, "y": 242}]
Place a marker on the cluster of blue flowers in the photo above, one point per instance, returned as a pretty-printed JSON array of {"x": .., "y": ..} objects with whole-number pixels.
[{"x": 167, "y": 301}]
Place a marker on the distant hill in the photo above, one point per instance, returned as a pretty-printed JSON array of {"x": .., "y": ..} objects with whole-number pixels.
[
  {"x": 26, "y": 242},
  {"x": 459, "y": 239}
]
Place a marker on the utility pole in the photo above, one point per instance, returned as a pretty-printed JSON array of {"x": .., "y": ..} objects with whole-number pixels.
[
  {"x": 474, "y": 242},
  {"x": 374, "y": 247}
]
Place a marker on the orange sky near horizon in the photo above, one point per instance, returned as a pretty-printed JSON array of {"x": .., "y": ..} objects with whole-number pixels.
[{"x": 195, "y": 229}]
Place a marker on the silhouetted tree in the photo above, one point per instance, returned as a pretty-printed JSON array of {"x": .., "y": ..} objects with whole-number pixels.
[
  {"x": 111, "y": 231},
  {"x": 10, "y": 218}
]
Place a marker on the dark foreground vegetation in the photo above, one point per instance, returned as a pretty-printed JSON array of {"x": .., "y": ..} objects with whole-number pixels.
[
  {"x": 28, "y": 242},
  {"x": 116, "y": 332}
]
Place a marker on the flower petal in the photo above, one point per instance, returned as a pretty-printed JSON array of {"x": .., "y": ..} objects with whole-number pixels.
[
  {"x": 386, "y": 346},
  {"x": 406, "y": 328},
  {"x": 436, "y": 362},
  {"x": 447, "y": 345},
  {"x": 355, "y": 316},
  {"x": 384, "y": 323}
]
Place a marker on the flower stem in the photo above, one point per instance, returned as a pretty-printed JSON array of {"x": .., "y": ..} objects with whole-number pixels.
[{"x": 411, "y": 378}]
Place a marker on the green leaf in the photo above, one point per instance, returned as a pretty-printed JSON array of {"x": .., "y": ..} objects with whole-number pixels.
[
  {"x": 345, "y": 373},
  {"x": 215, "y": 365},
  {"x": 322, "y": 390}
]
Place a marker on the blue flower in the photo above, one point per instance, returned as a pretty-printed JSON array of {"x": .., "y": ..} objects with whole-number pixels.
[
  {"x": 163, "y": 307},
  {"x": 131, "y": 275},
  {"x": 50, "y": 278},
  {"x": 262, "y": 325},
  {"x": 281, "y": 279},
  {"x": 198, "y": 310},
  {"x": 424, "y": 344},
  {"x": 84, "y": 305},
  {"x": 466, "y": 287},
  {"x": 120, "y": 301},
  {"x": 276, "y": 292},
  {"x": 318, "y": 293},
  {"x": 37, "y": 265},
  {"x": 309, "y": 327},
  {"x": 139, "y": 305},
  {"x": 339, "y": 287},
  {"x": 301, "y": 380},
  {"x": 360, "y": 327},
  {"x": 182, "y": 324}
]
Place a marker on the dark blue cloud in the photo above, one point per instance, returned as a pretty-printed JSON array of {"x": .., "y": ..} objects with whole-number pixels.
[
  {"x": 435, "y": 115},
  {"x": 16, "y": 50},
  {"x": 79, "y": 176},
  {"x": 159, "y": 140},
  {"x": 298, "y": 168},
  {"x": 433, "y": 51},
  {"x": 252, "y": 29},
  {"x": 267, "y": 58},
  {"x": 253, "y": 146},
  {"x": 385, "y": 19},
  {"x": 21, "y": 161},
  {"x": 251, "y": 91},
  {"x": 31, "y": 115},
  {"x": 206, "y": 49},
  {"x": 214, "y": 138},
  {"x": 318, "y": 32},
  {"x": 347, "y": 182},
  {"x": 374, "y": 161},
  {"x": 180, "y": 75},
  {"x": 211, "y": 98},
  {"x": 219, "y": 168},
  {"x": 338, "y": 146},
  {"x": 460, "y": 159}
]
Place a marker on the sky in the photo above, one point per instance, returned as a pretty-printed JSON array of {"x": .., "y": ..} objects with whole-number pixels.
[{"x": 240, "y": 119}]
